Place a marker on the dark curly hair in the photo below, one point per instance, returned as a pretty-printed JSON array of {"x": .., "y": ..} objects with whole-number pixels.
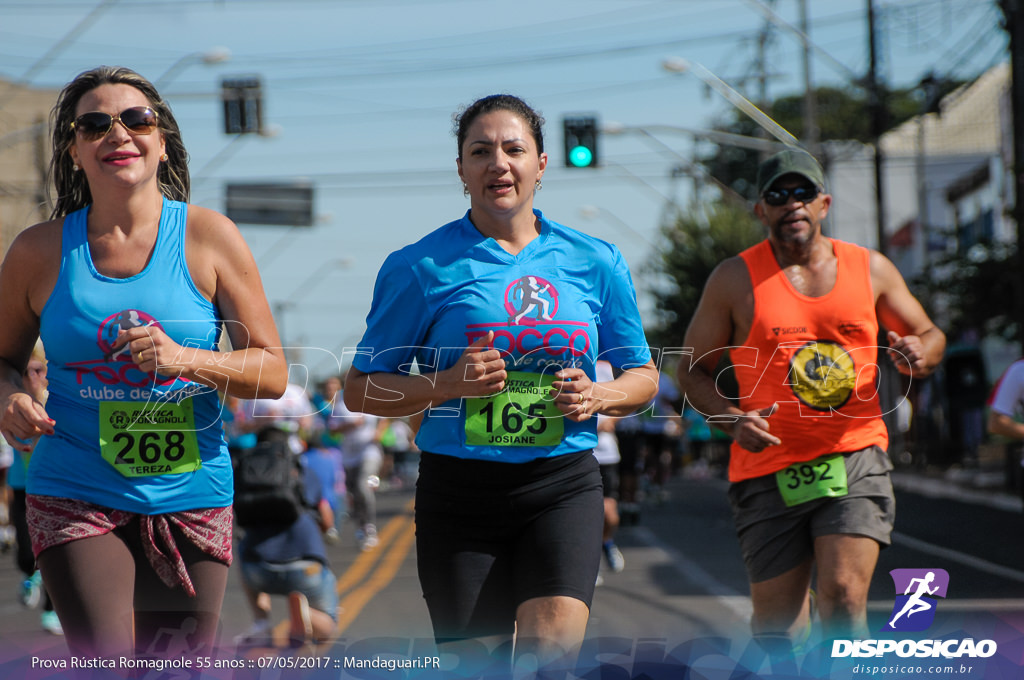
[
  {"x": 498, "y": 102},
  {"x": 72, "y": 188}
]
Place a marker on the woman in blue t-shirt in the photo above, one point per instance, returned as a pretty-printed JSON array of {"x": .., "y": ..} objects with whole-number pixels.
[{"x": 491, "y": 326}]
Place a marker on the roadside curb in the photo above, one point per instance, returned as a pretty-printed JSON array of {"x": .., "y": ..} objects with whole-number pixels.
[{"x": 963, "y": 491}]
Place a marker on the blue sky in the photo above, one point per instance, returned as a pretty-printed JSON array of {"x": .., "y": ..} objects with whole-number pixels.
[{"x": 361, "y": 93}]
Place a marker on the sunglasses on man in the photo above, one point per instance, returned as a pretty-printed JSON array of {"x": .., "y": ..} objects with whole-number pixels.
[
  {"x": 137, "y": 120},
  {"x": 779, "y": 197}
]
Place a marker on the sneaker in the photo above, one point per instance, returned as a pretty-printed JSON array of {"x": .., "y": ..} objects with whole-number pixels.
[
  {"x": 599, "y": 581},
  {"x": 32, "y": 590},
  {"x": 8, "y": 539},
  {"x": 50, "y": 623},
  {"x": 370, "y": 540},
  {"x": 612, "y": 555},
  {"x": 332, "y": 536},
  {"x": 300, "y": 631},
  {"x": 803, "y": 640},
  {"x": 259, "y": 632}
]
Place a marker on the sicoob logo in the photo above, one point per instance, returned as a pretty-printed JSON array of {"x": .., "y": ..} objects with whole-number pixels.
[{"x": 914, "y": 609}]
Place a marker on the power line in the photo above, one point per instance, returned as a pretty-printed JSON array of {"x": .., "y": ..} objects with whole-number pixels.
[{"x": 57, "y": 48}]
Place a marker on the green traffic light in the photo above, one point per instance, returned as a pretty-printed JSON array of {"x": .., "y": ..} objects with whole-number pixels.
[{"x": 581, "y": 156}]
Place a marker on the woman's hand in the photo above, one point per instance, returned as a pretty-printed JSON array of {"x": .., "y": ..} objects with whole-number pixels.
[
  {"x": 153, "y": 351},
  {"x": 574, "y": 393},
  {"x": 479, "y": 372},
  {"x": 23, "y": 421}
]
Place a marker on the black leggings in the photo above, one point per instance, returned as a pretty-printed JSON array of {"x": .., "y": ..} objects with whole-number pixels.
[
  {"x": 490, "y": 536},
  {"x": 97, "y": 584}
]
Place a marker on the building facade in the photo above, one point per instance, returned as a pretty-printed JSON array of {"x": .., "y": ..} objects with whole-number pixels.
[{"x": 24, "y": 157}]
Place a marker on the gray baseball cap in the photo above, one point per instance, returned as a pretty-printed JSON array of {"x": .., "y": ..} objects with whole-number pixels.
[{"x": 790, "y": 161}]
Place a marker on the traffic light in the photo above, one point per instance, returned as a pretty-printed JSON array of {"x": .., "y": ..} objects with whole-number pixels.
[
  {"x": 580, "y": 136},
  {"x": 243, "y": 105}
]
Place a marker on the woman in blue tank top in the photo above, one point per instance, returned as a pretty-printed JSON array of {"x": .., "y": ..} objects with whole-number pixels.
[
  {"x": 129, "y": 485},
  {"x": 491, "y": 327}
]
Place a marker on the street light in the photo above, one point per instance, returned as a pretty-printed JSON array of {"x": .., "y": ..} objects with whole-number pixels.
[
  {"x": 228, "y": 150},
  {"x": 214, "y": 55},
  {"x": 715, "y": 136},
  {"x": 680, "y": 65},
  {"x": 697, "y": 171},
  {"x": 592, "y": 211}
]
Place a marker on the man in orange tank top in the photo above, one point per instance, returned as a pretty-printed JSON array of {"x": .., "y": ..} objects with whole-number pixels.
[{"x": 799, "y": 314}]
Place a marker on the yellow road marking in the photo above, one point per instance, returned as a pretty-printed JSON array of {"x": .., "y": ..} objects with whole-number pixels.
[
  {"x": 354, "y": 602},
  {"x": 401, "y": 531},
  {"x": 364, "y": 563}
]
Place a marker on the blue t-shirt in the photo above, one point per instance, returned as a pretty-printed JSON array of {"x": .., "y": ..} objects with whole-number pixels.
[
  {"x": 125, "y": 438},
  {"x": 324, "y": 464},
  {"x": 17, "y": 475},
  {"x": 300, "y": 540},
  {"x": 564, "y": 301}
]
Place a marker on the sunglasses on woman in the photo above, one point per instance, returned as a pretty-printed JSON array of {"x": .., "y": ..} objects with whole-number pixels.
[
  {"x": 138, "y": 120},
  {"x": 778, "y": 197}
]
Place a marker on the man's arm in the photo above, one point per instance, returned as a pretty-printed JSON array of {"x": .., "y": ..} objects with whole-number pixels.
[
  {"x": 1005, "y": 402},
  {"x": 916, "y": 345},
  {"x": 1005, "y": 426},
  {"x": 710, "y": 332}
]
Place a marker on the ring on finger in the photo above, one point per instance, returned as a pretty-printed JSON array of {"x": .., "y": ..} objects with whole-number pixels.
[{"x": 583, "y": 399}]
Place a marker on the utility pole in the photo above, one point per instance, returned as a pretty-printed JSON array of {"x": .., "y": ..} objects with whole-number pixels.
[
  {"x": 762, "y": 73},
  {"x": 1014, "y": 23},
  {"x": 877, "y": 110},
  {"x": 811, "y": 132}
]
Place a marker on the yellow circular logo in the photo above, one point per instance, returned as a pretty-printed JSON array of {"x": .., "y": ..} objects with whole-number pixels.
[{"x": 822, "y": 375}]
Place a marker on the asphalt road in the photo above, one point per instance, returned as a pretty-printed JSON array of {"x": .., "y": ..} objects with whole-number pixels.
[{"x": 683, "y": 586}]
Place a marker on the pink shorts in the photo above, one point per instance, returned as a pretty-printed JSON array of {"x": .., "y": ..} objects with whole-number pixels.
[{"x": 54, "y": 521}]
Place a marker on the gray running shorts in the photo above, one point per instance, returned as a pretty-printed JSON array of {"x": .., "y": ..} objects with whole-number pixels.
[{"x": 775, "y": 538}]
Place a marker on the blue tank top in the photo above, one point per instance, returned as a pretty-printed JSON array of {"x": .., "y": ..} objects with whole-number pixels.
[{"x": 124, "y": 438}]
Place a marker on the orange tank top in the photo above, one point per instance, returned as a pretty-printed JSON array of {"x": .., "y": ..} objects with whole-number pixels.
[{"x": 814, "y": 356}]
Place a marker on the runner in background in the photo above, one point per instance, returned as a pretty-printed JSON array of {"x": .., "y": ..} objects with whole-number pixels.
[
  {"x": 361, "y": 456},
  {"x": 607, "y": 454},
  {"x": 1006, "y": 419},
  {"x": 33, "y": 591}
]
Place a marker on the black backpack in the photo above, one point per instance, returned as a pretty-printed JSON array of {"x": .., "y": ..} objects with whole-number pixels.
[{"x": 269, "y": 485}]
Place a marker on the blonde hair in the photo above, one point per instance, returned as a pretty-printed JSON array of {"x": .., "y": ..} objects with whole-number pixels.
[{"x": 38, "y": 352}]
